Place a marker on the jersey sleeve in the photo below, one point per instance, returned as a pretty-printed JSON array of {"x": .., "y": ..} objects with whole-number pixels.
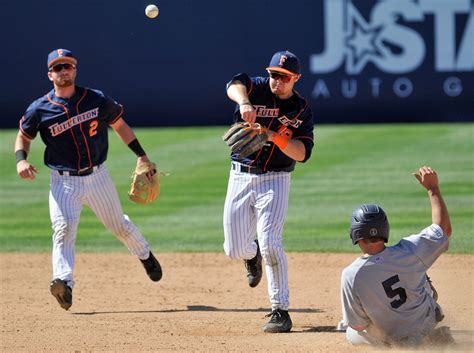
[
  {"x": 353, "y": 313},
  {"x": 257, "y": 85},
  {"x": 305, "y": 133},
  {"x": 428, "y": 245},
  {"x": 114, "y": 110},
  {"x": 242, "y": 78},
  {"x": 29, "y": 123},
  {"x": 253, "y": 85}
]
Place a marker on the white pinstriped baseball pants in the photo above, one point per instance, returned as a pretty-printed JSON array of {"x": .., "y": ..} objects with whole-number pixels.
[
  {"x": 67, "y": 197},
  {"x": 256, "y": 206}
]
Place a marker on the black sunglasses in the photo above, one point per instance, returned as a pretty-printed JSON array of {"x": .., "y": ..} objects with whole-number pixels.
[
  {"x": 278, "y": 76},
  {"x": 59, "y": 67}
]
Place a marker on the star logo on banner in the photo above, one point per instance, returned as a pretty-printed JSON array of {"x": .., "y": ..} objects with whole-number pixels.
[{"x": 363, "y": 41}]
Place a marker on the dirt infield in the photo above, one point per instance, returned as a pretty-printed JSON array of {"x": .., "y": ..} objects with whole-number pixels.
[{"x": 202, "y": 304}]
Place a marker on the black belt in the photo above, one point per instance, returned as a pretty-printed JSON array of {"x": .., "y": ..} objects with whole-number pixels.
[
  {"x": 82, "y": 172},
  {"x": 247, "y": 169}
]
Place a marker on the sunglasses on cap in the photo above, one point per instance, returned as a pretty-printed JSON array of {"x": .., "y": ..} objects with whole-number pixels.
[
  {"x": 59, "y": 67},
  {"x": 281, "y": 77}
]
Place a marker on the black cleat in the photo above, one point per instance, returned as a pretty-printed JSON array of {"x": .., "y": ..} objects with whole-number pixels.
[
  {"x": 62, "y": 292},
  {"x": 254, "y": 268},
  {"x": 152, "y": 267},
  {"x": 279, "y": 322}
]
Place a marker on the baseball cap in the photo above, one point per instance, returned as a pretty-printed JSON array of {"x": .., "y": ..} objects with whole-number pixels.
[
  {"x": 61, "y": 56},
  {"x": 285, "y": 62}
]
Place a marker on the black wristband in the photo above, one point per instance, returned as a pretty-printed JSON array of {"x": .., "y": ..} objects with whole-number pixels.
[
  {"x": 20, "y": 155},
  {"x": 136, "y": 148}
]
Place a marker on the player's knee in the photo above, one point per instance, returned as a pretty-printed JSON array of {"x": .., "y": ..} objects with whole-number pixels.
[
  {"x": 269, "y": 260},
  {"x": 124, "y": 228},
  {"x": 63, "y": 229},
  {"x": 271, "y": 254}
]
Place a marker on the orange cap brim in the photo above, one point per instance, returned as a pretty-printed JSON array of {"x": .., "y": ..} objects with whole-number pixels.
[{"x": 283, "y": 71}]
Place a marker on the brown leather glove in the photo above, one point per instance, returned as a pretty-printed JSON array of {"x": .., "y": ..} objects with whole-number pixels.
[{"x": 245, "y": 139}]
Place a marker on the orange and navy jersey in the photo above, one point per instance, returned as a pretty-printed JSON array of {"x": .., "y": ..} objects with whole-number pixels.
[
  {"x": 274, "y": 113},
  {"x": 74, "y": 130}
]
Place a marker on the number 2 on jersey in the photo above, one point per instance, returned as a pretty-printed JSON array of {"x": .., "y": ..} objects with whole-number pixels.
[
  {"x": 400, "y": 291},
  {"x": 92, "y": 127}
]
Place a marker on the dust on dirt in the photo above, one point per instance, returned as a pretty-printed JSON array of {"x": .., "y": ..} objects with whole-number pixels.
[{"x": 202, "y": 304}]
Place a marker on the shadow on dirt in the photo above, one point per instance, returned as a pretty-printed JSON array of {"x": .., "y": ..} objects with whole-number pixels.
[
  {"x": 319, "y": 329},
  {"x": 197, "y": 308}
]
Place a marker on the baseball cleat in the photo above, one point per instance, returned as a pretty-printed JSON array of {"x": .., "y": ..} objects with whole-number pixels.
[
  {"x": 152, "y": 267},
  {"x": 279, "y": 322},
  {"x": 62, "y": 292},
  {"x": 254, "y": 268},
  {"x": 341, "y": 326}
]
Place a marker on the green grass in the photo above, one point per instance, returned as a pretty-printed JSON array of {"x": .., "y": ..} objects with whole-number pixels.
[{"x": 351, "y": 164}]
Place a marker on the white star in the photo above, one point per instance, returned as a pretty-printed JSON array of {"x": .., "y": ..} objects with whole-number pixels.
[{"x": 363, "y": 42}]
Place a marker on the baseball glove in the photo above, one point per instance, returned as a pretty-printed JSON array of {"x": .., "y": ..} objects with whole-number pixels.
[
  {"x": 142, "y": 189},
  {"x": 245, "y": 139}
]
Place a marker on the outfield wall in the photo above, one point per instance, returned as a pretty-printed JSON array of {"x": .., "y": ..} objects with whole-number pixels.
[{"x": 362, "y": 60}]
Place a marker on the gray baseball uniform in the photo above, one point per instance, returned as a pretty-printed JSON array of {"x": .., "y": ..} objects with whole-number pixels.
[{"x": 388, "y": 293}]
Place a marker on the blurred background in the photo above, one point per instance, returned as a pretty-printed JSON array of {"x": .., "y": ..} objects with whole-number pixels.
[{"x": 362, "y": 61}]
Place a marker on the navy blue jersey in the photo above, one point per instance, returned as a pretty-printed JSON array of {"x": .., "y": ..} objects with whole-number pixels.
[
  {"x": 74, "y": 130},
  {"x": 274, "y": 113}
]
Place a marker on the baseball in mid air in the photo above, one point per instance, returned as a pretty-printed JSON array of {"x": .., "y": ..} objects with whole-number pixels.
[{"x": 151, "y": 11}]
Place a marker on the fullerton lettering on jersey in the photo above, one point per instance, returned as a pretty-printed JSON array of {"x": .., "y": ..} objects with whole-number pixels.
[
  {"x": 57, "y": 129},
  {"x": 264, "y": 112},
  {"x": 293, "y": 122}
]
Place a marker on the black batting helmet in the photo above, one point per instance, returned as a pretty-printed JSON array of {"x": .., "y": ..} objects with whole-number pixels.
[{"x": 369, "y": 221}]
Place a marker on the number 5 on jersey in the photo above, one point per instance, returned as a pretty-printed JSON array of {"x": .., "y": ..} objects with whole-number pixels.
[{"x": 391, "y": 292}]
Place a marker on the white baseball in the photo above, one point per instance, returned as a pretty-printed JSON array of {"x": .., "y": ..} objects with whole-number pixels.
[{"x": 152, "y": 11}]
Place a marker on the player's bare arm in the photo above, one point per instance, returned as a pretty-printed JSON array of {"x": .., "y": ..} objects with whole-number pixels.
[
  {"x": 238, "y": 93},
  {"x": 439, "y": 212},
  {"x": 124, "y": 131},
  {"x": 294, "y": 149},
  {"x": 22, "y": 146},
  {"x": 127, "y": 135}
]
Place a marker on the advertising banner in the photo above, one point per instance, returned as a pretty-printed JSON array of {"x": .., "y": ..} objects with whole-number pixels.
[
  {"x": 396, "y": 60},
  {"x": 363, "y": 61}
]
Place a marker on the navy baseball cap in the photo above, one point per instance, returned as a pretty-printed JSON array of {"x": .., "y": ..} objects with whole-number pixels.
[
  {"x": 61, "y": 56},
  {"x": 285, "y": 62}
]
